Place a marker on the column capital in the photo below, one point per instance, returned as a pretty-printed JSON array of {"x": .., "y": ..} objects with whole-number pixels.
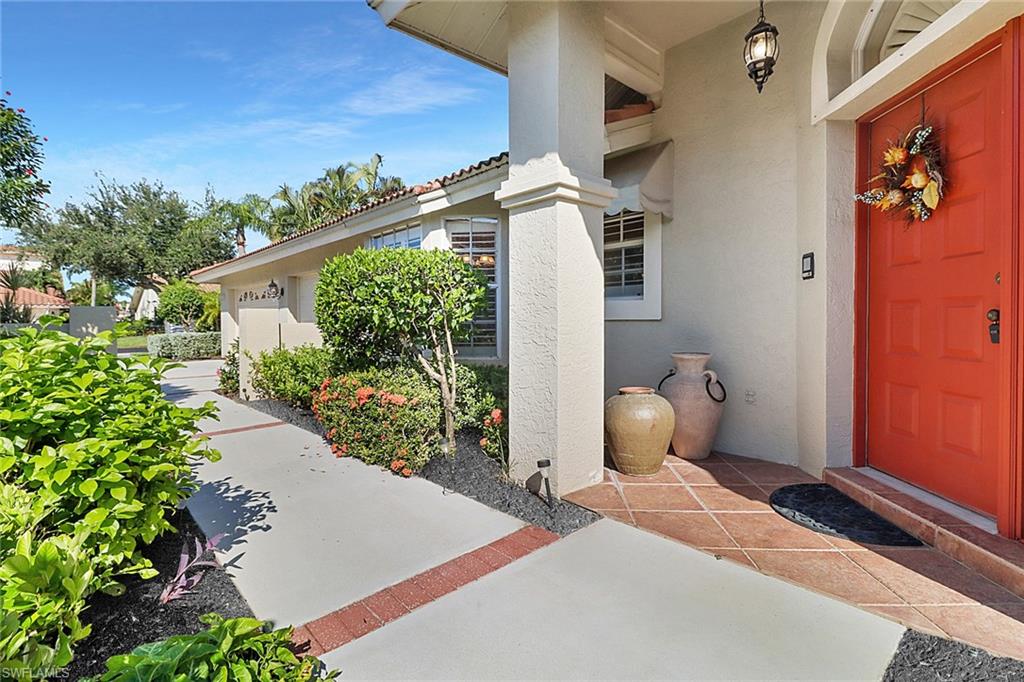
[{"x": 548, "y": 180}]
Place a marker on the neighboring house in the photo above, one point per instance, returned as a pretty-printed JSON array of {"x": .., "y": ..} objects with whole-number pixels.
[
  {"x": 145, "y": 299},
  {"x": 39, "y": 302},
  {"x": 17, "y": 255},
  {"x": 614, "y": 234}
]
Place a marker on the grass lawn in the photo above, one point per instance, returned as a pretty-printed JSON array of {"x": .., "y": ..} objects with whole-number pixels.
[{"x": 131, "y": 343}]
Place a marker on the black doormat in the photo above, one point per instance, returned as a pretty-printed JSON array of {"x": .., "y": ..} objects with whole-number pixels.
[{"x": 824, "y": 509}]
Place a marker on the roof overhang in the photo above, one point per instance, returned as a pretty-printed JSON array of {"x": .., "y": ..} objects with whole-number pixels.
[{"x": 406, "y": 209}]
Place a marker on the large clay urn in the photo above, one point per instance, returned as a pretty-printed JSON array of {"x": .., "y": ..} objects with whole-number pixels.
[
  {"x": 638, "y": 423},
  {"x": 698, "y": 399}
]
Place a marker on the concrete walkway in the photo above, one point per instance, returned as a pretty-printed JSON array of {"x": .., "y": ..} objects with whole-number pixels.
[{"x": 310, "y": 534}]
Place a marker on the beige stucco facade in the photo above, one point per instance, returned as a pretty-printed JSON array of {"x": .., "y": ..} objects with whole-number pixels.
[{"x": 757, "y": 181}]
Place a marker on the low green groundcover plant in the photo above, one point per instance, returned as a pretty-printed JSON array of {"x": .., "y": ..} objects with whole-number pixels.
[
  {"x": 292, "y": 375},
  {"x": 184, "y": 346},
  {"x": 234, "y": 650},
  {"x": 387, "y": 417},
  {"x": 92, "y": 458}
]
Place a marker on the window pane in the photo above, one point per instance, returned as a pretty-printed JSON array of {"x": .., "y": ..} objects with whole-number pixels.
[
  {"x": 475, "y": 241},
  {"x": 624, "y": 255}
]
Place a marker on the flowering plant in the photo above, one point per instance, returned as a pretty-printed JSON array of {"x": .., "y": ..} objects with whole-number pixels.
[
  {"x": 387, "y": 417},
  {"x": 911, "y": 176},
  {"x": 495, "y": 437}
]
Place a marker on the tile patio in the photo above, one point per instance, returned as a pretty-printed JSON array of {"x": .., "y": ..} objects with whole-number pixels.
[{"x": 720, "y": 505}]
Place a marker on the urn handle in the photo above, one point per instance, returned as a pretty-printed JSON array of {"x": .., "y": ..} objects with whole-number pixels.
[
  {"x": 671, "y": 373},
  {"x": 710, "y": 377}
]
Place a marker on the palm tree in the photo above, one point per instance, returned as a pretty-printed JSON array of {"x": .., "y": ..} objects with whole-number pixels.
[
  {"x": 252, "y": 213},
  {"x": 12, "y": 278},
  {"x": 298, "y": 210},
  {"x": 376, "y": 185},
  {"x": 338, "y": 191}
]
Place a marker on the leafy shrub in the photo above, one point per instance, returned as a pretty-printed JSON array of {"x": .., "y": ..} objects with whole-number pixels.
[
  {"x": 292, "y": 375},
  {"x": 379, "y": 305},
  {"x": 92, "y": 457},
  {"x": 181, "y": 302},
  {"x": 227, "y": 374},
  {"x": 481, "y": 389},
  {"x": 387, "y": 417},
  {"x": 238, "y": 649},
  {"x": 184, "y": 346},
  {"x": 209, "y": 318}
]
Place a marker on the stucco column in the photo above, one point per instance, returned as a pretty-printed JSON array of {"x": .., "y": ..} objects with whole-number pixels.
[
  {"x": 228, "y": 319},
  {"x": 555, "y": 194}
]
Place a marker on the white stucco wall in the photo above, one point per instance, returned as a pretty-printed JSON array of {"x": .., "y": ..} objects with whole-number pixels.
[{"x": 750, "y": 198}]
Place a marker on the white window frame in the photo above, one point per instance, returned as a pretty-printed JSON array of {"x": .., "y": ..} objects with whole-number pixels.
[
  {"x": 499, "y": 279},
  {"x": 648, "y": 306},
  {"x": 372, "y": 243}
]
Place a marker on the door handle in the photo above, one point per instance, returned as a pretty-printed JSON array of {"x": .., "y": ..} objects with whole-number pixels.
[{"x": 993, "y": 327}]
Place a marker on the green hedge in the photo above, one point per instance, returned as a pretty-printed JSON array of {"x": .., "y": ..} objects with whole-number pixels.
[{"x": 184, "y": 346}]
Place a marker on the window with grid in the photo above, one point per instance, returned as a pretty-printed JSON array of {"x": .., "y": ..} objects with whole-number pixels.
[
  {"x": 624, "y": 255},
  {"x": 476, "y": 241},
  {"x": 410, "y": 236}
]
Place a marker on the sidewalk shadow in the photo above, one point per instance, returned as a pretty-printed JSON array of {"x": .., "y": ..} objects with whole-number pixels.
[{"x": 223, "y": 506}]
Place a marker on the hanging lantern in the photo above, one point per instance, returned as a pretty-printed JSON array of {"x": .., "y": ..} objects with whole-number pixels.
[{"x": 761, "y": 50}]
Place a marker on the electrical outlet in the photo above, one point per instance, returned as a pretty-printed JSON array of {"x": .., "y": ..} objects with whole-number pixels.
[{"x": 750, "y": 397}]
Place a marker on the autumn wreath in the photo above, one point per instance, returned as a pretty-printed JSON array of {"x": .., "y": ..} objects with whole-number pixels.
[{"x": 911, "y": 176}]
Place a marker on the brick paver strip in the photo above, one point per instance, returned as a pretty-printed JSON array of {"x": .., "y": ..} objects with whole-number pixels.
[
  {"x": 370, "y": 613},
  {"x": 240, "y": 429}
]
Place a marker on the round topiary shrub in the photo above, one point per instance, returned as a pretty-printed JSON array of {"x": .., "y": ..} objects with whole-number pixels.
[{"x": 181, "y": 302}]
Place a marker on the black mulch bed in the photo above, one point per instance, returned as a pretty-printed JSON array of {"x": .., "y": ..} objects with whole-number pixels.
[
  {"x": 925, "y": 658},
  {"x": 471, "y": 473},
  {"x": 119, "y": 624},
  {"x": 824, "y": 509}
]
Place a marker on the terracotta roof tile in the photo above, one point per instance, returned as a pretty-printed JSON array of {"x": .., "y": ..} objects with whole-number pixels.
[
  {"x": 412, "y": 190},
  {"x": 34, "y": 299}
]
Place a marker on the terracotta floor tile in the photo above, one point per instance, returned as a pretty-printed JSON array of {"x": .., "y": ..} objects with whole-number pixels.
[
  {"x": 435, "y": 583},
  {"x": 664, "y": 475},
  {"x": 710, "y": 474},
  {"x": 923, "y": 509},
  {"x": 492, "y": 557},
  {"x": 908, "y": 616},
  {"x": 693, "y": 528},
  {"x": 735, "y": 459},
  {"x": 828, "y": 572},
  {"x": 673, "y": 459},
  {"x": 930, "y": 577},
  {"x": 768, "y": 530},
  {"x": 660, "y": 498},
  {"x": 736, "y": 555},
  {"x": 732, "y": 497},
  {"x": 770, "y": 472},
  {"x": 998, "y": 630},
  {"x": 622, "y": 516},
  {"x": 600, "y": 496}
]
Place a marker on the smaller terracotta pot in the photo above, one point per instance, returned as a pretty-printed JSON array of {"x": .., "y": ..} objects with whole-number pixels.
[{"x": 638, "y": 424}]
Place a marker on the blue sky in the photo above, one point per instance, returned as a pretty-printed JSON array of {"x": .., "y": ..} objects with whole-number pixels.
[{"x": 238, "y": 96}]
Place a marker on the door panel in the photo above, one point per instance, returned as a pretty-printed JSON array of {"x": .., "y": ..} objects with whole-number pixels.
[{"x": 932, "y": 385}]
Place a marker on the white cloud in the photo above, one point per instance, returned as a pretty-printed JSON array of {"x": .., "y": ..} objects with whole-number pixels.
[{"x": 411, "y": 91}]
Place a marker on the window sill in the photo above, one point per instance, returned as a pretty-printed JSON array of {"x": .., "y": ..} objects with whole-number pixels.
[{"x": 631, "y": 310}]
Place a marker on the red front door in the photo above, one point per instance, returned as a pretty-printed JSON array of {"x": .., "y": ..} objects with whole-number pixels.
[{"x": 933, "y": 371}]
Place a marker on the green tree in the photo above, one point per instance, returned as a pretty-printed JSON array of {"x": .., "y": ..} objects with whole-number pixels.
[
  {"x": 126, "y": 234},
  {"x": 405, "y": 304},
  {"x": 12, "y": 278},
  {"x": 251, "y": 214},
  {"x": 81, "y": 293},
  {"x": 181, "y": 302},
  {"x": 21, "y": 156}
]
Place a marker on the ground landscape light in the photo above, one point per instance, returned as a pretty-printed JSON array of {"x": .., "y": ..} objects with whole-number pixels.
[{"x": 761, "y": 50}]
